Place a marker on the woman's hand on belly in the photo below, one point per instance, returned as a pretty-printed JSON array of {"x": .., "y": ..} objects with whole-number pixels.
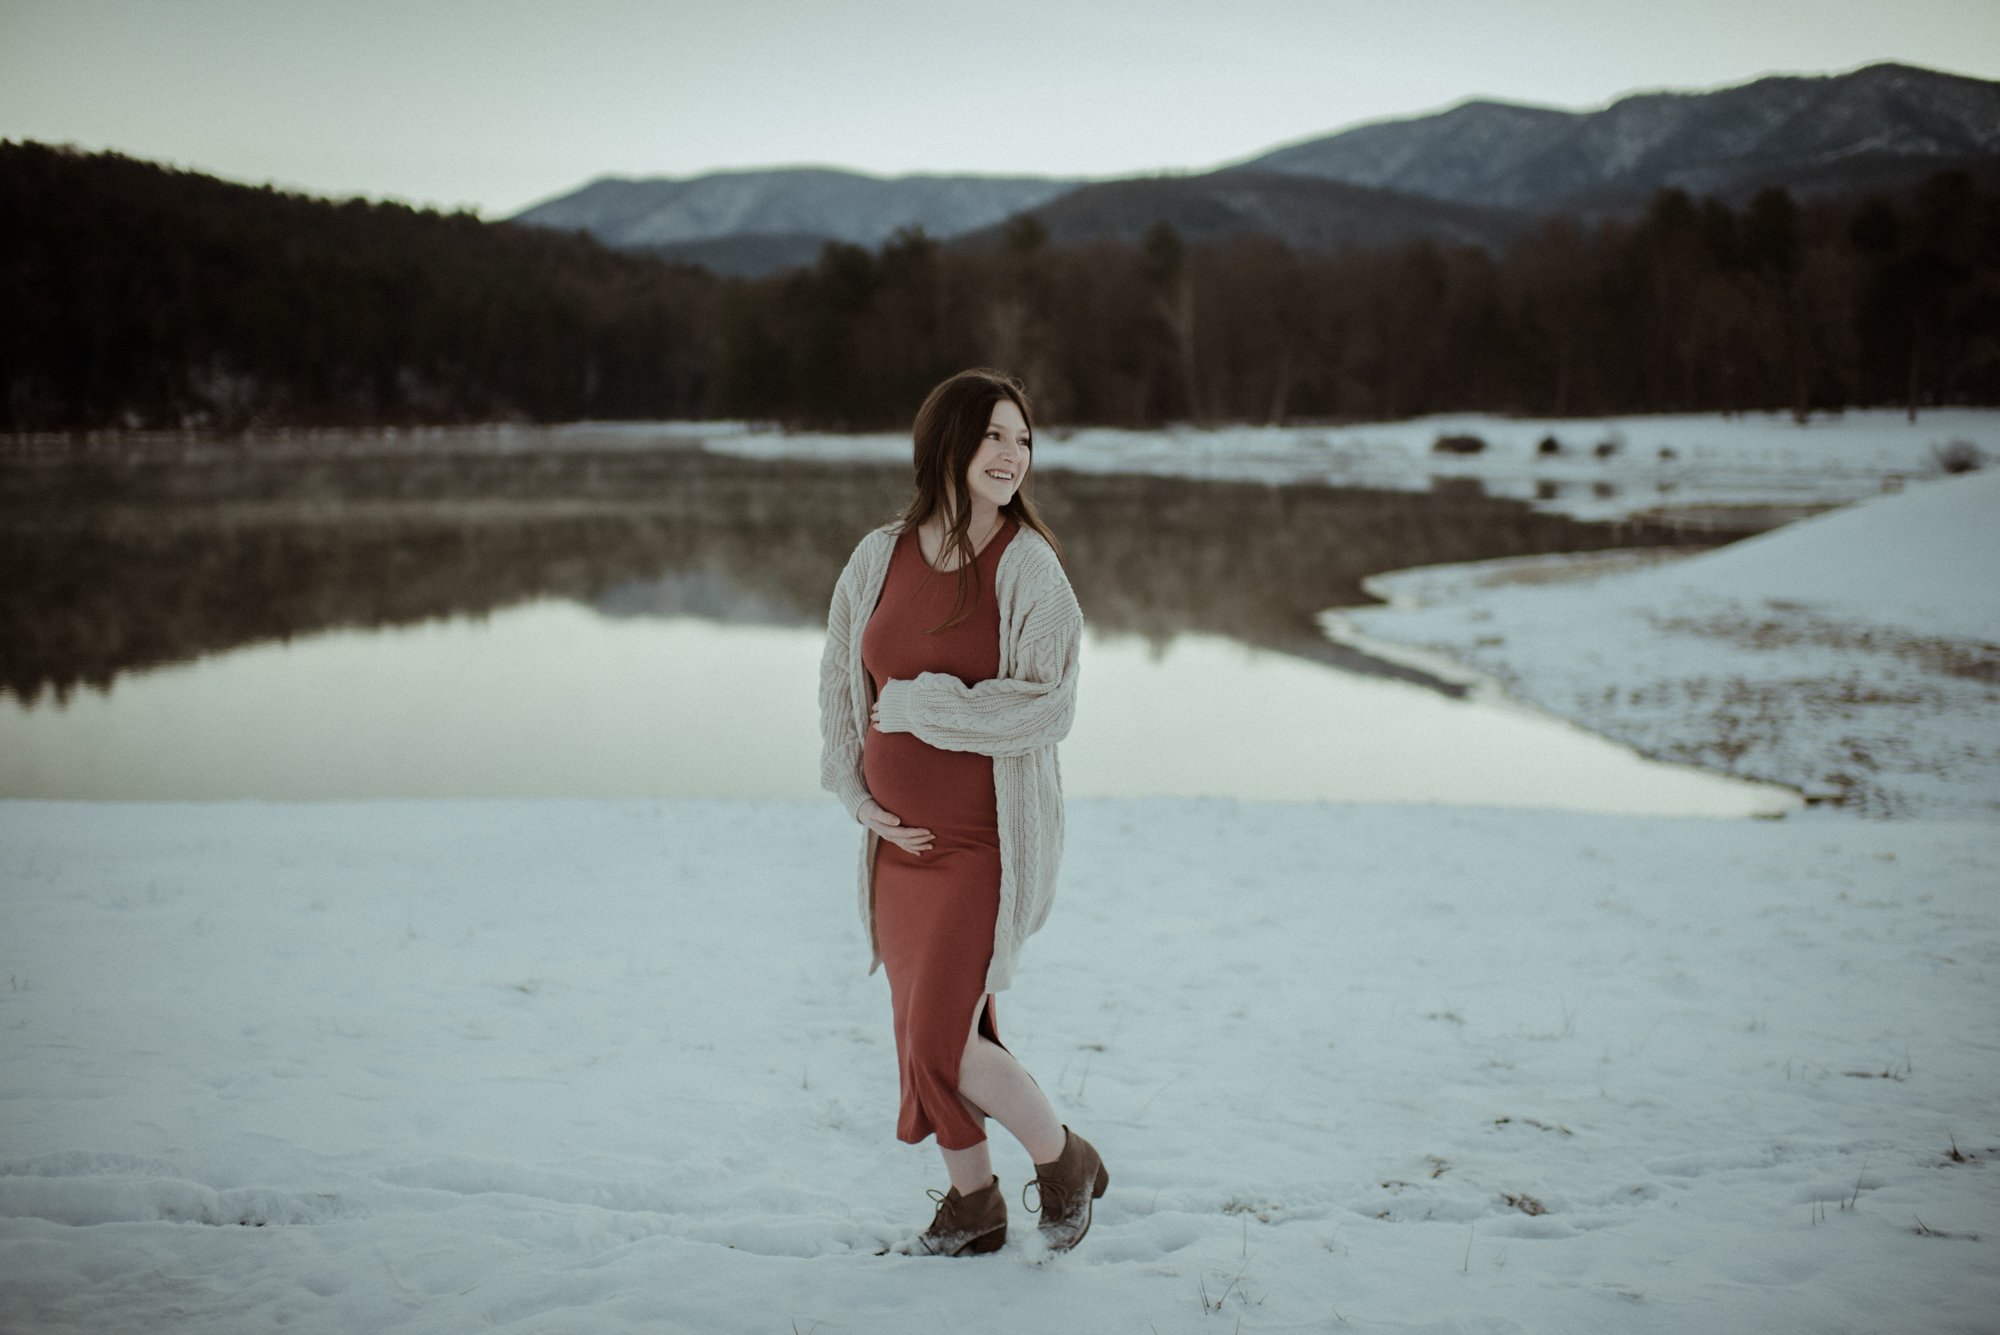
[{"x": 909, "y": 838}]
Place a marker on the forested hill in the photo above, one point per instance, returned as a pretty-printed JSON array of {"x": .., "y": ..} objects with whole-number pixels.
[
  {"x": 133, "y": 295},
  {"x": 144, "y": 296}
]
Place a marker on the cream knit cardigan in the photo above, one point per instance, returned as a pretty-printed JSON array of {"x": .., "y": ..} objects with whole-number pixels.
[{"x": 1017, "y": 717}]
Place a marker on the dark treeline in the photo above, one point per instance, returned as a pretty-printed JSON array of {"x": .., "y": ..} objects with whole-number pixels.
[{"x": 139, "y": 296}]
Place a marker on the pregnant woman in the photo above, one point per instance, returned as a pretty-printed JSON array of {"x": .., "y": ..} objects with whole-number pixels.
[{"x": 948, "y": 678}]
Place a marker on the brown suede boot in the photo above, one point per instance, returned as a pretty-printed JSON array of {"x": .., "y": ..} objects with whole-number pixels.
[
  {"x": 1064, "y": 1188},
  {"x": 966, "y": 1225}
]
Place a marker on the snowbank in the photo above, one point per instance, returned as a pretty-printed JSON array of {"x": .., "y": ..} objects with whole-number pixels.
[
  {"x": 1592, "y": 468},
  {"x": 605, "y": 1065},
  {"x": 1926, "y": 560},
  {"x": 1855, "y": 654}
]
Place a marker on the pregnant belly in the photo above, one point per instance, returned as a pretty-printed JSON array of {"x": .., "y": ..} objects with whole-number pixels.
[{"x": 949, "y": 793}]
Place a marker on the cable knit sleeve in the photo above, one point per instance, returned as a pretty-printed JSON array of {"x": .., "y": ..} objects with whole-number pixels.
[
  {"x": 1003, "y": 716},
  {"x": 840, "y": 738}
]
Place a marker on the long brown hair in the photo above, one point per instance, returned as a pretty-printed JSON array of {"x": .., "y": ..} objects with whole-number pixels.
[{"x": 949, "y": 428}]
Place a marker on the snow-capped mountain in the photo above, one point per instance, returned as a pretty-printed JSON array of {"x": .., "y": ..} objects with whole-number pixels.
[
  {"x": 1815, "y": 133},
  {"x": 812, "y": 201},
  {"x": 1469, "y": 174}
]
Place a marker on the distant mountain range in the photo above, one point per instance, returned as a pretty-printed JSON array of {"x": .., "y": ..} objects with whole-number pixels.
[
  {"x": 1474, "y": 174},
  {"x": 774, "y": 205}
]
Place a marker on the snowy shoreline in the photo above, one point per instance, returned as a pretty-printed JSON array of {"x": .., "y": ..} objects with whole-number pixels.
[
  {"x": 1706, "y": 469},
  {"x": 1854, "y": 656},
  {"x": 1723, "y": 471}
]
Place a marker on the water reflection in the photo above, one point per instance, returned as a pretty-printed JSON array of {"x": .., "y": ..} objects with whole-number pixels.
[
  {"x": 122, "y": 564},
  {"x": 361, "y": 616},
  {"x": 552, "y": 699}
]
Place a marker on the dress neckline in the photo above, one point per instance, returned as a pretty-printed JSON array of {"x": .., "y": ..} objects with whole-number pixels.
[{"x": 1006, "y": 522}]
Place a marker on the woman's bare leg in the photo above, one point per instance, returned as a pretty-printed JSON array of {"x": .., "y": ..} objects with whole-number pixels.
[
  {"x": 970, "y": 1169},
  {"x": 993, "y": 1083}
]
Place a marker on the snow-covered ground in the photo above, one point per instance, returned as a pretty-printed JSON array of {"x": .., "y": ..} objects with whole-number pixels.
[
  {"x": 1855, "y": 655},
  {"x": 615, "y": 1065},
  {"x": 603, "y": 1065},
  {"x": 1763, "y": 461}
]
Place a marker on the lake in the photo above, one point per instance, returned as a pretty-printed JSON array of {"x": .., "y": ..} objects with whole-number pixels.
[{"x": 460, "y": 613}]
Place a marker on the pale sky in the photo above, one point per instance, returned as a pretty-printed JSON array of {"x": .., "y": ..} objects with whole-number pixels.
[{"x": 496, "y": 104}]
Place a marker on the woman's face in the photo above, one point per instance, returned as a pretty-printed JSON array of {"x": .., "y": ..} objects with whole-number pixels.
[{"x": 1000, "y": 464}]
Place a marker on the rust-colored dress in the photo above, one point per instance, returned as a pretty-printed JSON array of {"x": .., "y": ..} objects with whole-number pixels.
[{"x": 934, "y": 911}]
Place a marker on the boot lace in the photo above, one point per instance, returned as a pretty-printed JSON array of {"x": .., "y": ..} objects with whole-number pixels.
[
  {"x": 1051, "y": 1200},
  {"x": 949, "y": 1227}
]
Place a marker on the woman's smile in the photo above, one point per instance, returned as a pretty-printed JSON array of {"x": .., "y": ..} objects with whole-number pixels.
[{"x": 1003, "y": 457}]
